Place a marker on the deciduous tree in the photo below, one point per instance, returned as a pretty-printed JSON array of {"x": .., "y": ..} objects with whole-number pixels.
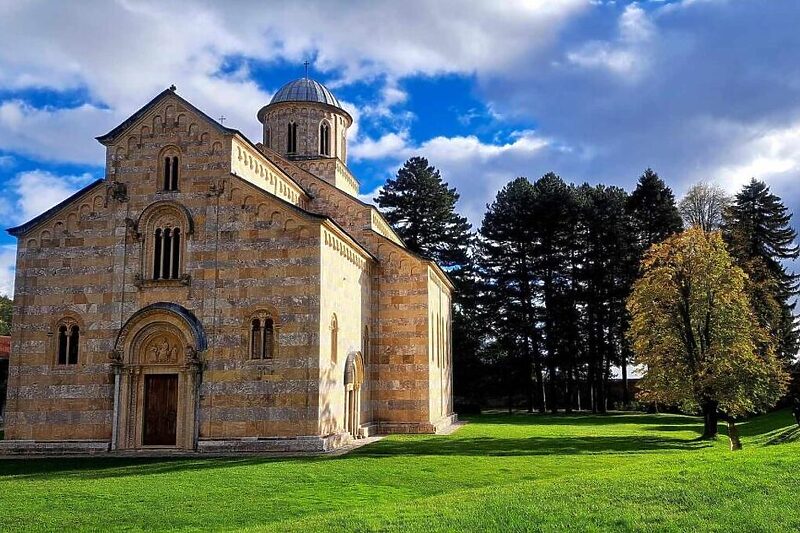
[
  {"x": 694, "y": 331},
  {"x": 704, "y": 206}
]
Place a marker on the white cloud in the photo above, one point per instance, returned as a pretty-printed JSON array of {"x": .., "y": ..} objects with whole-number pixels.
[
  {"x": 39, "y": 190},
  {"x": 187, "y": 43},
  {"x": 770, "y": 153},
  {"x": 626, "y": 56},
  {"x": 8, "y": 258},
  {"x": 390, "y": 145},
  {"x": 477, "y": 169}
]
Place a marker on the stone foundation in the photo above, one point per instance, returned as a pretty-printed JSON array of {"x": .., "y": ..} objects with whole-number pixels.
[
  {"x": 310, "y": 444},
  {"x": 31, "y": 447}
]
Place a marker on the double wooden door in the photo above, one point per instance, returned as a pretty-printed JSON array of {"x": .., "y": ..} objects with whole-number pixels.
[{"x": 160, "y": 410}]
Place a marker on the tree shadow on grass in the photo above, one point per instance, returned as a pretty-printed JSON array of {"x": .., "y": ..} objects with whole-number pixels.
[
  {"x": 614, "y": 418},
  {"x": 488, "y": 446},
  {"x": 112, "y": 467}
]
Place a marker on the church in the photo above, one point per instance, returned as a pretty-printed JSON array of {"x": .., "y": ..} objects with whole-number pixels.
[{"x": 211, "y": 294}]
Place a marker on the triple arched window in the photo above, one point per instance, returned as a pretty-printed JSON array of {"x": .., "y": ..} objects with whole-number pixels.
[
  {"x": 262, "y": 338},
  {"x": 291, "y": 138},
  {"x": 324, "y": 138},
  {"x": 68, "y": 342},
  {"x": 167, "y": 253}
]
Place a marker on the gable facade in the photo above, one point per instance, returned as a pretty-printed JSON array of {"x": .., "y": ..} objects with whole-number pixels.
[{"x": 210, "y": 294}]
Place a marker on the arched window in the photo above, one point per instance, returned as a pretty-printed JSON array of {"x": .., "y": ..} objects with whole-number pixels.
[
  {"x": 262, "y": 338},
  {"x": 268, "y": 137},
  {"x": 334, "y": 338},
  {"x": 291, "y": 138},
  {"x": 167, "y": 253},
  {"x": 69, "y": 336},
  {"x": 170, "y": 178},
  {"x": 324, "y": 138}
]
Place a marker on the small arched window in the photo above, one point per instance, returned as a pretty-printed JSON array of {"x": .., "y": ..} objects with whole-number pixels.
[
  {"x": 324, "y": 138},
  {"x": 268, "y": 137},
  {"x": 167, "y": 253},
  {"x": 171, "y": 164},
  {"x": 334, "y": 338},
  {"x": 69, "y": 336},
  {"x": 262, "y": 338},
  {"x": 291, "y": 138}
]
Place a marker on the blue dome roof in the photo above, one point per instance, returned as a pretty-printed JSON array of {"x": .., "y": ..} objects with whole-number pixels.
[{"x": 305, "y": 90}]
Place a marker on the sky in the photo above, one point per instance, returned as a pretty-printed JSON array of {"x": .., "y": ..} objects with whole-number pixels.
[{"x": 596, "y": 91}]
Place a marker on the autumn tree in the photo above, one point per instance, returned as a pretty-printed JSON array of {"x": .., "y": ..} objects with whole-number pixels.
[{"x": 694, "y": 331}]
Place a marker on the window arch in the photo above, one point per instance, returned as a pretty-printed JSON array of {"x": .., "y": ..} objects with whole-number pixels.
[
  {"x": 334, "y": 338},
  {"x": 170, "y": 169},
  {"x": 165, "y": 227},
  {"x": 324, "y": 138},
  {"x": 167, "y": 251},
  {"x": 68, "y": 338},
  {"x": 291, "y": 138},
  {"x": 262, "y": 337}
]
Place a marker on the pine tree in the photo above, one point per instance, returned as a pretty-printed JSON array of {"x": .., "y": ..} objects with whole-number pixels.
[
  {"x": 507, "y": 243},
  {"x": 653, "y": 209},
  {"x": 421, "y": 208},
  {"x": 758, "y": 233},
  {"x": 555, "y": 217},
  {"x": 608, "y": 269}
]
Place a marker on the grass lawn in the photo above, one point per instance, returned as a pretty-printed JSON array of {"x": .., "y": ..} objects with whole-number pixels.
[{"x": 503, "y": 473}]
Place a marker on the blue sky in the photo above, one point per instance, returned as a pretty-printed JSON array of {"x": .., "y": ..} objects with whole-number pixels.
[{"x": 593, "y": 90}]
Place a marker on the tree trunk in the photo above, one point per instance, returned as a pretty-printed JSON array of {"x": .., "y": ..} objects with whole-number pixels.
[
  {"x": 626, "y": 397},
  {"x": 710, "y": 418},
  {"x": 733, "y": 435}
]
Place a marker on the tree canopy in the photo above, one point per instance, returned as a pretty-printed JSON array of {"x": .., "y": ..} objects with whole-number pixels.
[
  {"x": 695, "y": 333},
  {"x": 421, "y": 207}
]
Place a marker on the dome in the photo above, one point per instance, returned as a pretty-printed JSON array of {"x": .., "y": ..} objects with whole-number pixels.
[{"x": 305, "y": 90}]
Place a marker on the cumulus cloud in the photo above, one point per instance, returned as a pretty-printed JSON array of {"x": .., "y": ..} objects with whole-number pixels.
[
  {"x": 190, "y": 43},
  {"x": 476, "y": 168},
  {"x": 626, "y": 55},
  {"x": 39, "y": 190}
]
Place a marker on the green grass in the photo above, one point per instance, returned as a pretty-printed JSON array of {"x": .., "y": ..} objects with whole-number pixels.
[{"x": 503, "y": 473}]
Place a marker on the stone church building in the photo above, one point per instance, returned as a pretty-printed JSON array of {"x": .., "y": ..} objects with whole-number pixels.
[{"x": 213, "y": 294}]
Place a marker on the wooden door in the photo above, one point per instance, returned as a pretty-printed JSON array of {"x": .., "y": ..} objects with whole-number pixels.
[{"x": 160, "y": 409}]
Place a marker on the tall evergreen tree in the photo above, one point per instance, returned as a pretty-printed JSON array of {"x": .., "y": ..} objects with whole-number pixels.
[
  {"x": 421, "y": 208},
  {"x": 554, "y": 221},
  {"x": 759, "y": 236},
  {"x": 507, "y": 242},
  {"x": 608, "y": 271},
  {"x": 653, "y": 210}
]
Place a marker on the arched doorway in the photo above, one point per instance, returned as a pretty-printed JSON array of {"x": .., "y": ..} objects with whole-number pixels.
[
  {"x": 353, "y": 380},
  {"x": 157, "y": 371}
]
